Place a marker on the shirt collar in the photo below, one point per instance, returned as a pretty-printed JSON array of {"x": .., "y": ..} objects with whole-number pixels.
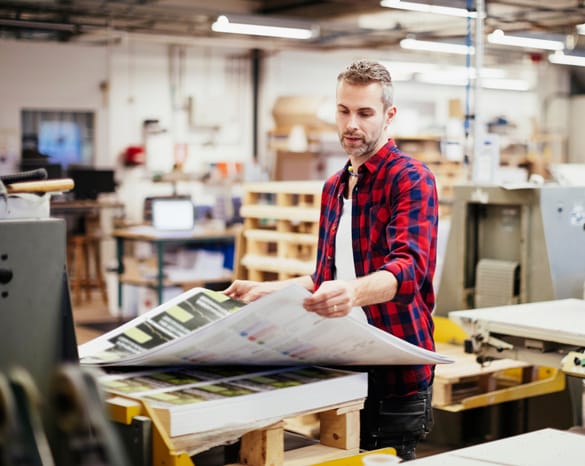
[{"x": 374, "y": 163}]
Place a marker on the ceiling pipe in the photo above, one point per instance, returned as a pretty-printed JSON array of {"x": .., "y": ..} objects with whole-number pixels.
[{"x": 479, "y": 132}]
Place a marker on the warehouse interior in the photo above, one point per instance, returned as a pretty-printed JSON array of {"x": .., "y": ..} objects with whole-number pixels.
[{"x": 149, "y": 148}]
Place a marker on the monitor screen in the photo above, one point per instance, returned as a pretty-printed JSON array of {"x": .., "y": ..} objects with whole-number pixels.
[
  {"x": 54, "y": 170},
  {"x": 172, "y": 214},
  {"x": 90, "y": 182}
]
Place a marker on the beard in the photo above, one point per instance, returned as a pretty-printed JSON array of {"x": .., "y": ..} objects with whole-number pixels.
[{"x": 363, "y": 147}]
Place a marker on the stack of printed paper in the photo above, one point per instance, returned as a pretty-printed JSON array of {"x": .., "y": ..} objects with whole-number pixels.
[{"x": 193, "y": 400}]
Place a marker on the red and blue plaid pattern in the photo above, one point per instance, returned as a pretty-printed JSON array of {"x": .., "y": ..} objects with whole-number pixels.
[{"x": 394, "y": 228}]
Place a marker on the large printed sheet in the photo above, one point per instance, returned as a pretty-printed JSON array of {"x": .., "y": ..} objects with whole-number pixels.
[{"x": 202, "y": 327}]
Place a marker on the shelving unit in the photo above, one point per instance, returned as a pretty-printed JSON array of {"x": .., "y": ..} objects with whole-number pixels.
[{"x": 281, "y": 222}]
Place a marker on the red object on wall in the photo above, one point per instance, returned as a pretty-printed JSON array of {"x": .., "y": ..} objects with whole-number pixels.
[{"x": 133, "y": 155}]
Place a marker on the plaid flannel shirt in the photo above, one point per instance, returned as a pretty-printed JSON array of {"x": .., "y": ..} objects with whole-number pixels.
[{"x": 394, "y": 228}]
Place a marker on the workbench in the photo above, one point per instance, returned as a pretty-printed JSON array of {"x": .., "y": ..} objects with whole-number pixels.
[{"x": 200, "y": 237}]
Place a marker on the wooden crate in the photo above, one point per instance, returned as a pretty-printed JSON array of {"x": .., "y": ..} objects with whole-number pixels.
[{"x": 281, "y": 222}]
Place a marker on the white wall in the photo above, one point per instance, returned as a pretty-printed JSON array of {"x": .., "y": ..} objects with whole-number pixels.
[
  {"x": 45, "y": 76},
  {"x": 144, "y": 81},
  {"x": 154, "y": 81}
]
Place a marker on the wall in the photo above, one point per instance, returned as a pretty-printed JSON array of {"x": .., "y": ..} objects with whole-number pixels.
[
  {"x": 125, "y": 84},
  {"x": 45, "y": 76},
  {"x": 202, "y": 96}
]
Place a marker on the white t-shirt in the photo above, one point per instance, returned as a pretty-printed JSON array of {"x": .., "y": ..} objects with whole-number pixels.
[{"x": 344, "y": 265}]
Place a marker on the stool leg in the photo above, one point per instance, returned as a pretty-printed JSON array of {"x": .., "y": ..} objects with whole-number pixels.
[
  {"x": 101, "y": 283},
  {"x": 87, "y": 272},
  {"x": 78, "y": 267}
]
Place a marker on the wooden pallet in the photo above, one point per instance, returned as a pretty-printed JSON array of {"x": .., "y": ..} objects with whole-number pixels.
[
  {"x": 466, "y": 377},
  {"x": 281, "y": 221},
  {"x": 467, "y": 384},
  {"x": 339, "y": 437}
]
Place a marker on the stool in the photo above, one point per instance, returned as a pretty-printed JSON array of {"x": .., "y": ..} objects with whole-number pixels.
[{"x": 83, "y": 249}]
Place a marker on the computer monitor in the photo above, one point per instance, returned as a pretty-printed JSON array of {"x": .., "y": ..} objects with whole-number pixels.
[
  {"x": 90, "y": 182},
  {"x": 54, "y": 170},
  {"x": 173, "y": 214}
]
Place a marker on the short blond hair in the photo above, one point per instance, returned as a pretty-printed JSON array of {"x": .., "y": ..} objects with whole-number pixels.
[{"x": 364, "y": 72}]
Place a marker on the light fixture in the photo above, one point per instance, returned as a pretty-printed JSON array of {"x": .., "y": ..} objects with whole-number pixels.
[
  {"x": 449, "y": 79},
  {"x": 498, "y": 37},
  {"x": 441, "y": 47},
  {"x": 559, "y": 58},
  {"x": 452, "y": 75},
  {"x": 426, "y": 8},
  {"x": 505, "y": 84},
  {"x": 442, "y": 79},
  {"x": 248, "y": 26}
]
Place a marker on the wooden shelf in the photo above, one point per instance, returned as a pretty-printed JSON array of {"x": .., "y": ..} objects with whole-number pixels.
[{"x": 281, "y": 226}]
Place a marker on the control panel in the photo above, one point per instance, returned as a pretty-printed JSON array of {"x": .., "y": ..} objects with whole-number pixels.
[{"x": 574, "y": 364}]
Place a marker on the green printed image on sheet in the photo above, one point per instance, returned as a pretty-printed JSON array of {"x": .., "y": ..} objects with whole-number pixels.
[
  {"x": 181, "y": 397},
  {"x": 137, "y": 339},
  {"x": 217, "y": 391},
  {"x": 191, "y": 314},
  {"x": 131, "y": 385},
  {"x": 177, "y": 378},
  {"x": 277, "y": 381}
]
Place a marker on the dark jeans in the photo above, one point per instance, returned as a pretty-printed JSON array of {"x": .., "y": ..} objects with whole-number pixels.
[{"x": 398, "y": 422}]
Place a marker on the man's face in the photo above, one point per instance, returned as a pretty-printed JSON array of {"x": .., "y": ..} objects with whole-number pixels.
[{"x": 361, "y": 119}]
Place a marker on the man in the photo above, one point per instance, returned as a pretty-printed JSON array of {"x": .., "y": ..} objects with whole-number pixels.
[{"x": 376, "y": 254}]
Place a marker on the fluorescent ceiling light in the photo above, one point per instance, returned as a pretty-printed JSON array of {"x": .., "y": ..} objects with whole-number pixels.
[
  {"x": 441, "y": 47},
  {"x": 498, "y": 37},
  {"x": 505, "y": 84},
  {"x": 406, "y": 71},
  {"x": 559, "y": 58},
  {"x": 452, "y": 75},
  {"x": 426, "y": 8},
  {"x": 439, "y": 78},
  {"x": 496, "y": 84},
  {"x": 223, "y": 24}
]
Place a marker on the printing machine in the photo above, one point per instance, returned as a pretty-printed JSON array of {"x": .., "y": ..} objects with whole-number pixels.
[
  {"x": 547, "y": 333},
  {"x": 52, "y": 412},
  {"x": 509, "y": 245},
  {"x": 513, "y": 277}
]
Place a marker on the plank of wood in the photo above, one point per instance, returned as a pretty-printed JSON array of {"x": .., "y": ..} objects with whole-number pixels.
[{"x": 44, "y": 186}]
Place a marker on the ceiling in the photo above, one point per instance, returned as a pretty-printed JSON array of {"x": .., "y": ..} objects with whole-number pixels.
[{"x": 342, "y": 24}]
